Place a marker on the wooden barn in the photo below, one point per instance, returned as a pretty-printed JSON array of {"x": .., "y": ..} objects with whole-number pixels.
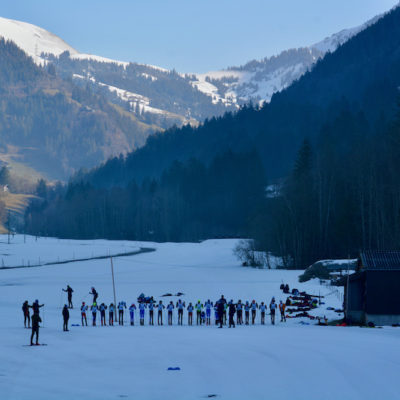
[{"x": 372, "y": 293}]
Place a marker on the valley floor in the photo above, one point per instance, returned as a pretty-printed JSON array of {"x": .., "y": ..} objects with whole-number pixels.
[{"x": 289, "y": 360}]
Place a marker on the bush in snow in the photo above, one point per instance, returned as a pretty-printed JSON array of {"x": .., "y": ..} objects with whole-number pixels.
[
  {"x": 245, "y": 251},
  {"x": 317, "y": 270}
]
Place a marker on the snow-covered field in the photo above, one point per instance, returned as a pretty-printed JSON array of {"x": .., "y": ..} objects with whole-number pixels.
[
  {"x": 29, "y": 250},
  {"x": 286, "y": 361}
]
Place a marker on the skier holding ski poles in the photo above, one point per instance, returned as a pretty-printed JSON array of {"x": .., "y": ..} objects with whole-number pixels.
[
  {"x": 272, "y": 308},
  {"x": 121, "y": 306},
  {"x": 282, "y": 308},
  {"x": 198, "y": 307},
  {"x": 263, "y": 309},
  {"x": 111, "y": 312},
  {"x": 94, "y": 309},
  {"x": 180, "y": 306},
  {"x": 160, "y": 307},
  {"x": 65, "y": 314},
  {"x": 35, "y": 328},
  {"x": 142, "y": 308},
  {"x": 190, "y": 309},
  {"x": 69, "y": 290},
  {"x": 247, "y": 312},
  {"x": 239, "y": 313},
  {"x": 231, "y": 311},
  {"x": 84, "y": 308},
  {"x": 253, "y": 307},
  {"x": 103, "y": 309},
  {"x": 25, "y": 310},
  {"x": 208, "y": 306},
  {"x": 220, "y": 309},
  {"x": 132, "y": 309},
  {"x": 151, "y": 312},
  {"x": 170, "y": 309}
]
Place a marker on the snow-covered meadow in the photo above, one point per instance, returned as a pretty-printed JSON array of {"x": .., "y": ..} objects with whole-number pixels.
[{"x": 288, "y": 360}]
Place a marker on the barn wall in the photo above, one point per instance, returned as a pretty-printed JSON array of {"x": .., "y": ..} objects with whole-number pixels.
[
  {"x": 381, "y": 319},
  {"x": 382, "y": 293}
]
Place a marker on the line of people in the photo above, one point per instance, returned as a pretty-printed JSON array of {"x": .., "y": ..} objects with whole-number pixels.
[{"x": 222, "y": 309}]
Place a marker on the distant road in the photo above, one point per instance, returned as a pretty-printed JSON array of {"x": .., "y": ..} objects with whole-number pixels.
[{"x": 130, "y": 253}]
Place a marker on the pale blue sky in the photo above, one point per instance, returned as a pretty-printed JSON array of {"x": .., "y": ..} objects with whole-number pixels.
[{"x": 192, "y": 36}]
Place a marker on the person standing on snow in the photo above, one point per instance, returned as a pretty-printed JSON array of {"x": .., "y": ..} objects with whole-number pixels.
[
  {"x": 111, "y": 312},
  {"x": 239, "y": 313},
  {"x": 84, "y": 308},
  {"x": 151, "y": 312},
  {"x": 103, "y": 309},
  {"x": 190, "y": 309},
  {"x": 208, "y": 306},
  {"x": 94, "y": 309},
  {"x": 170, "y": 308},
  {"x": 95, "y": 294},
  {"x": 180, "y": 306},
  {"x": 25, "y": 310},
  {"x": 231, "y": 312},
  {"x": 132, "y": 309},
  {"x": 272, "y": 308},
  {"x": 198, "y": 308},
  {"x": 216, "y": 317},
  {"x": 160, "y": 307},
  {"x": 247, "y": 312},
  {"x": 282, "y": 308},
  {"x": 142, "y": 308},
  {"x": 220, "y": 309},
  {"x": 263, "y": 309},
  {"x": 253, "y": 307},
  {"x": 225, "y": 312},
  {"x": 69, "y": 290},
  {"x": 121, "y": 306},
  {"x": 35, "y": 328},
  {"x": 65, "y": 314}
]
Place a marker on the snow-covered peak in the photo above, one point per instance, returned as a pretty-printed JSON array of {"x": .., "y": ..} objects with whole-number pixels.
[
  {"x": 33, "y": 39},
  {"x": 331, "y": 43}
]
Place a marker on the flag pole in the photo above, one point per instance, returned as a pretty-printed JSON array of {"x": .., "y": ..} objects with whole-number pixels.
[{"x": 113, "y": 282}]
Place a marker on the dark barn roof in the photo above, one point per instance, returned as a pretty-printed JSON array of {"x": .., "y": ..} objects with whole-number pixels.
[{"x": 380, "y": 260}]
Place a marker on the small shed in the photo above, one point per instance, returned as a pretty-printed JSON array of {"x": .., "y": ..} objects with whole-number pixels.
[{"x": 372, "y": 292}]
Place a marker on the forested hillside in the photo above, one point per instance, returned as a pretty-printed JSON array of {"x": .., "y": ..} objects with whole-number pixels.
[
  {"x": 56, "y": 126},
  {"x": 331, "y": 140},
  {"x": 363, "y": 75}
]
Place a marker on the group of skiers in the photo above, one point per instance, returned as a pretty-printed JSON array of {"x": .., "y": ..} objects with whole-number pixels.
[
  {"x": 223, "y": 312},
  {"x": 35, "y": 319},
  {"x": 222, "y": 309}
]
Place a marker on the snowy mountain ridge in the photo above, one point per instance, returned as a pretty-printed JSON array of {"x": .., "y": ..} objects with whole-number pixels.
[
  {"x": 258, "y": 80},
  {"x": 157, "y": 95}
]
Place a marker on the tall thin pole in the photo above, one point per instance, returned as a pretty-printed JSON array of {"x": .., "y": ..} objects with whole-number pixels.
[
  {"x": 113, "y": 282},
  {"x": 8, "y": 226}
]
